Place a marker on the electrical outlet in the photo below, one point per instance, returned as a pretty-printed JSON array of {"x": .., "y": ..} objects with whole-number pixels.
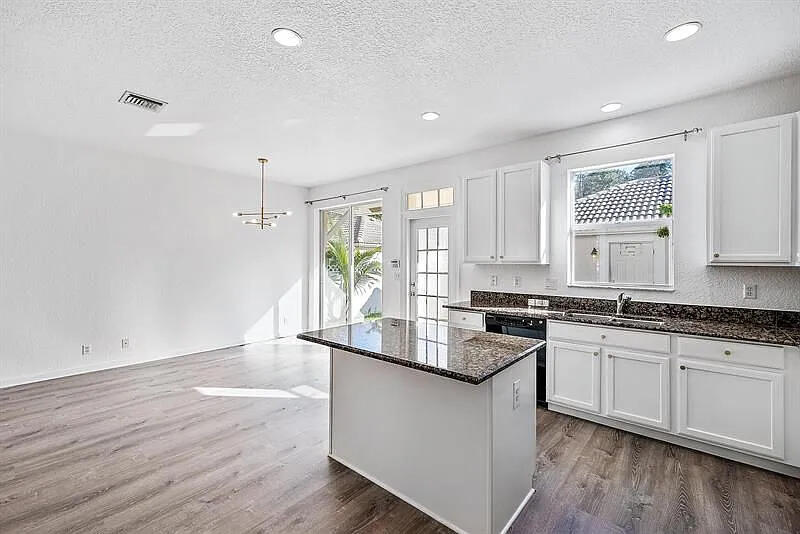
[
  {"x": 493, "y": 280},
  {"x": 551, "y": 283},
  {"x": 517, "y": 280},
  {"x": 515, "y": 393},
  {"x": 86, "y": 350},
  {"x": 125, "y": 343},
  {"x": 750, "y": 291}
]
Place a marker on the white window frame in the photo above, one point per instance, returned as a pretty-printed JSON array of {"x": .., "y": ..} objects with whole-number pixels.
[{"x": 642, "y": 226}]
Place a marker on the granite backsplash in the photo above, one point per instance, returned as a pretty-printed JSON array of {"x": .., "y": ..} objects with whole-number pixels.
[{"x": 781, "y": 318}]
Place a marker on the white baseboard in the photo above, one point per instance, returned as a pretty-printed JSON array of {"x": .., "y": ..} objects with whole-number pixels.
[
  {"x": 518, "y": 511},
  {"x": 105, "y": 365}
]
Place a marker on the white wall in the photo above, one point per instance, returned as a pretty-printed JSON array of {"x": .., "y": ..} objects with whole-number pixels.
[
  {"x": 694, "y": 281},
  {"x": 98, "y": 245}
]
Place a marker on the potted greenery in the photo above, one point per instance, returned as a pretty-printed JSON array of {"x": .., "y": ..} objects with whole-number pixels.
[{"x": 666, "y": 211}]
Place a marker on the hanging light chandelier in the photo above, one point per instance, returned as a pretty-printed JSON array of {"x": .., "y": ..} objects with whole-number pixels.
[{"x": 261, "y": 218}]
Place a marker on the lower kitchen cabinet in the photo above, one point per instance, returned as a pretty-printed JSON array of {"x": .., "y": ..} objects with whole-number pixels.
[
  {"x": 573, "y": 375},
  {"x": 637, "y": 388},
  {"x": 733, "y": 406}
]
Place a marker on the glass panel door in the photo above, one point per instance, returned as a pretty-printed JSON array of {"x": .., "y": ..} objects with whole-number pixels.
[
  {"x": 352, "y": 264},
  {"x": 430, "y": 285}
]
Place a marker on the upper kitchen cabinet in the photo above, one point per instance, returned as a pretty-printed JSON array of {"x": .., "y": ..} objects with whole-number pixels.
[
  {"x": 507, "y": 214},
  {"x": 751, "y": 219}
]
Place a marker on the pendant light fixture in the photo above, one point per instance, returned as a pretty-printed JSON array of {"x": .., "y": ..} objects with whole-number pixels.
[{"x": 261, "y": 218}]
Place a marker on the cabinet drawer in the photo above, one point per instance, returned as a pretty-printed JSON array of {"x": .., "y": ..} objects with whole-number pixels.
[
  {"x": 730, "y": 351},
  {"x": 617, "y": 337},
  {"x": 470, "y": 320}
]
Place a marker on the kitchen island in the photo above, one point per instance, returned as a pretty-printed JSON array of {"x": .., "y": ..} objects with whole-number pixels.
[{"x": 440, "y": 416}]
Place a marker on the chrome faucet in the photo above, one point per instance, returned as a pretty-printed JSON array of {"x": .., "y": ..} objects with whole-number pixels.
[{"x": 622, "y": 300}]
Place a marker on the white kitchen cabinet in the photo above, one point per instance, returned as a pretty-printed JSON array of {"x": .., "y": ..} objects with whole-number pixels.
[
  {"x": 573, "y": 375},
  {"x": 733, "y": 406},
  {"x": 506, "y": 215},
  {"x": 750, "y": 193},
  {"x": 465, "y": 319},
  {"x": 637, "y": 388},
  {"x": 522, "y": 214},
  {"x": 480, "y": 217}
]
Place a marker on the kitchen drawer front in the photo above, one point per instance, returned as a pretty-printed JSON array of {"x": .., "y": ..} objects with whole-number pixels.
[
  {"x": 463, "y": 319},
  {"x": 732, "y": 352},
  {"x": 617, "y": 337}
]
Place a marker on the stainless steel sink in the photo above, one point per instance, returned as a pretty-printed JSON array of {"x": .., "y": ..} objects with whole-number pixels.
[
  {"x": 616, "y": 319},
  {"x": 633, "y": 321},
  {"x": 594, "y": 316}
]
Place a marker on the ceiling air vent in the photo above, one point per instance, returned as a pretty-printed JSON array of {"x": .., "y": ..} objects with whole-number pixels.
[{"x": 141, "y": 101}]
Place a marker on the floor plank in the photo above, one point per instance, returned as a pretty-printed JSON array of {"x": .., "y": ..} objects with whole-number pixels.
[{"x": 139, "y": 449}]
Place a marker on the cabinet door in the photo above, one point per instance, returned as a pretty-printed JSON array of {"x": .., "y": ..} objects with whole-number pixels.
[
  {"x": 573, "y": 375},
  {"x": 750, "y": 192},
  {"x": 480, "y": 212},
  {"x": 733, "y": 406},
  {"x": 519, "y": 213},
  {"x": 637, "y": 388}
]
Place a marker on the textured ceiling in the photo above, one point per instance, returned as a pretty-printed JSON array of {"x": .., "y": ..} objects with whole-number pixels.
[{"x": 347, "y": 102}]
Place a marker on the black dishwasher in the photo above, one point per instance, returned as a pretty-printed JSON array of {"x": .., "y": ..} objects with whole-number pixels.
[{"x": 524, "y": 327}]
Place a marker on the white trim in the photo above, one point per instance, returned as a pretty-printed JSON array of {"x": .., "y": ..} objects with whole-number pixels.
[
  {"x": 112, "y": 364},
  {"x": 518, "y": 511},
  {"x": 398, "y": 494},
  {"x": 574, "y": 229}
]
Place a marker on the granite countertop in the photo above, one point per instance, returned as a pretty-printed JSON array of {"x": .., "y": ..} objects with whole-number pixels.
[
  {"x": 741, "y": 331},
  {"x": 466, "y": 355}
]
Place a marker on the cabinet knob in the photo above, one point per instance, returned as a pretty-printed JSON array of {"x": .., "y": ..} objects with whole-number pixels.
[
  {"x": 596, "y": 353},
  {"x": 610, "y": 356},
  {"x": 602, "y": 336},
  {"x": 727, "y": 353},
  {"x": 491, "y": 257},
  {"x": 501, "y": 257},
  {"x": 716, "y": 255},
  {"x": 683, "y": 367}
]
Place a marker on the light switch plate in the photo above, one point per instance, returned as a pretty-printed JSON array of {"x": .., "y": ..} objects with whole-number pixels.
[
  {"x": 86, "y": 349},
  {"x": 517, "y": 280},
  {"x": 515, "y": 393},
  {"x": 493, "y": 280},
  {"x": 551, "y": 283}
]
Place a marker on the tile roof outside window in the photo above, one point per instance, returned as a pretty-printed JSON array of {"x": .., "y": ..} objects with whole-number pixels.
[{"x": 636, "y": 200}]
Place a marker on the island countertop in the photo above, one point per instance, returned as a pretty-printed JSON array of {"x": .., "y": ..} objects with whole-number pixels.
[{"x": 465, "y": 355}]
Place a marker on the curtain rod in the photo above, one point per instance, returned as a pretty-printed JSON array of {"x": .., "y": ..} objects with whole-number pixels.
[
  {"x": 684, "y": 133},
  {"x": 344, "y": 197}
]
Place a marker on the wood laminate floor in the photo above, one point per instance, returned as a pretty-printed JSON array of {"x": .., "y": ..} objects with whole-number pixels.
[{"x": 147, "y": 449}]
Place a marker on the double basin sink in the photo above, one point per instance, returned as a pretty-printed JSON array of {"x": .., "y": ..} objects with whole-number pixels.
[{"x": 620, "y": 320}]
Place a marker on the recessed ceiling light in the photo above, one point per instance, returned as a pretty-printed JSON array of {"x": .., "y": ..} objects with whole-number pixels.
[
  {"x": 287, "y": 37},
  {"x": 430, "y": 116},
  {"x": 174, "y": 129},
  {"x": 683, "y": 31},
  {"x": 611, "y": 106}
]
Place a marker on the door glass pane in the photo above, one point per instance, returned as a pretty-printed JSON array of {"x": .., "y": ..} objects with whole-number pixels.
[
  {"x": 414, "y": 201},
  {"x": 422, "y": 261},
  {"x": 432, "y": 261},
  {"x": 442, "y": 261},
  {"x": 422, "y": 286},
  {"x": 443, "y": 237},
  {"x": 430, "y": 199},
  {"x": 446, "y": 196},
  {"x": 422, "y": 239},
  {"x": 352, "y": 264},
  {"x": 432, "y": 237},
  {"x": 432, "y": 284},
  {"x": 335, "y": 295},
  {"x": 442, "y": 291}
]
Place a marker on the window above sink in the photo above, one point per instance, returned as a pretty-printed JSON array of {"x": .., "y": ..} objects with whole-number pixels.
[{"x": 620, "y": 224}]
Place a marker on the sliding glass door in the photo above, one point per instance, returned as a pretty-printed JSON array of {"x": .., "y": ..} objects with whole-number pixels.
[{"x": 352, "y": 264}]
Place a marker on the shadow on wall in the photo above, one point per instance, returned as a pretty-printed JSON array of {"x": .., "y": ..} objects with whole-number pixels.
[{"x": 285, "y": 318}]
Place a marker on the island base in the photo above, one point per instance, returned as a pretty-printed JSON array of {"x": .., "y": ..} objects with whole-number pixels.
[{"x": 463, "y": 454}]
